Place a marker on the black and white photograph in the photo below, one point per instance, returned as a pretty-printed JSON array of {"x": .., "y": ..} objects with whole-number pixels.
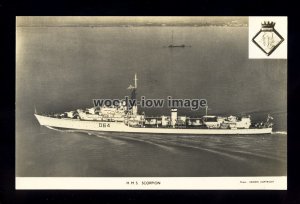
[{"x": 141, "y": 102}]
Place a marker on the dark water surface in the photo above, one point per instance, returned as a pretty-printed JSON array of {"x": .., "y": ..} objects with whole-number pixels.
[
  {"x": 54, "y": 153},
  {"x": 63, "y": 68}
]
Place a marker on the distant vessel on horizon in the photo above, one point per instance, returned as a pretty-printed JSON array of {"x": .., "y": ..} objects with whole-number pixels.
[{"x": 172, "y": 45}]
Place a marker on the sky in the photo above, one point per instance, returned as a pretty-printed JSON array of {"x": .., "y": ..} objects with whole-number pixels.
[{"x": 121, "y": 20}]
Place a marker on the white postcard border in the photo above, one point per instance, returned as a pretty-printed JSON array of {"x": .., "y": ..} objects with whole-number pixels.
[{"x": 152, "y": 183}]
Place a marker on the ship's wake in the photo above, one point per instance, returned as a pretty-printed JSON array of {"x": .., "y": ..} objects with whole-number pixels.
[
  {"x": 280, "y": 132},
  {"x": 177, "y": 144}
]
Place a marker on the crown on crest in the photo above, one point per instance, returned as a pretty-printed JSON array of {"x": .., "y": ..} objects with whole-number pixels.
[{"x": 268, "y": 24}]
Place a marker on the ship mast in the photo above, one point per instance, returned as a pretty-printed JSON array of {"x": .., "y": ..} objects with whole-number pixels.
[
  {"x": 134, "y": 108},
  {"x": 206, "y": 109},
  {"x": 135, "y": 81},
  {"x": 133, "y": 95}
]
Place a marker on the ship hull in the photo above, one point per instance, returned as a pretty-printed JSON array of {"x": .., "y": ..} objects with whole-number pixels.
[{"x": 121, "y": 127}]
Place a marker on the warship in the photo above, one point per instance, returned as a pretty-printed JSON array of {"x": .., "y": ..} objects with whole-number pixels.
[{"x": 123, "y": 118}]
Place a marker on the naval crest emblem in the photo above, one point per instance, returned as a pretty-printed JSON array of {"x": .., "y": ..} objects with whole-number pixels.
[{"x": 267, "y": 38}]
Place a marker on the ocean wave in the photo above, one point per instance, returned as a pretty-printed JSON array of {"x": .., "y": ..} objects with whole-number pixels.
[
  {"x": 280, "y": 132},
  {"x": 60, "y": 130},
  {"x": 150, "y": 142}
]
